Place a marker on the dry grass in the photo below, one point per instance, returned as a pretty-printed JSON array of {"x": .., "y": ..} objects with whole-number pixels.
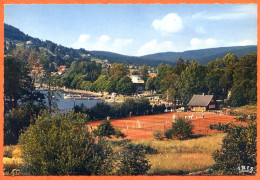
[
  {"x": 12, "y": 165},
  {"x": 163, "y": 164},
  {"x": 173, "y": 155},
  {"x": 248, "y": 109},
  {"x": 17, "y": 152},
  {"x": 203, "y": 144},
  {"x": 188, "y": 155}
]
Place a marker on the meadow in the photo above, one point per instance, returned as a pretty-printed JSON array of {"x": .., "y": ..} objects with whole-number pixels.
[
  {"x": 182, "y": 156},
  {"x": 172, "y": 156}
]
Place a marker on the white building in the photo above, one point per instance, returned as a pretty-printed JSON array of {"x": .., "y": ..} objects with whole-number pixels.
[{"x": 136, "y": 79}]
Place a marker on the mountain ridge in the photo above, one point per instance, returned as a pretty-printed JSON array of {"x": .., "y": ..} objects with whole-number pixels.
[{"x": 202, "y": 56}]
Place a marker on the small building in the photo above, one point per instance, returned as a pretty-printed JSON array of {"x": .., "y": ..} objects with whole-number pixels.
[
  {"x": 138, "y": 82},
  {"x": 202, "y": 102},
  {"x": 29, "y": 42},
  {"x": 136, "y": 79},
  {"x": 62, "y": 69}
]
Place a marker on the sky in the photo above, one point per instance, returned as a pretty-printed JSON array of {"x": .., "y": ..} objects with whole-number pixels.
[{"x": 140, "y": 29}]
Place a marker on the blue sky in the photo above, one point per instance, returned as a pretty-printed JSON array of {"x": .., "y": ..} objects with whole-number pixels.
[{"x": 138, "y": 29}]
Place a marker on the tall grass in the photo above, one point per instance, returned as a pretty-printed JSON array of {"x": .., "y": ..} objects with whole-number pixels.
[
  {"x": 244, "y": 110},
  {"x": 172, "y": 157},
  {"x": 173, "y": 163},
  {"x": 13, "y": 163},
  {"x": 182, "y": 155}
]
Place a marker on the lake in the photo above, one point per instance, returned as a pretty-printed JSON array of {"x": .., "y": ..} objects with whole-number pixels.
[{"x": 68, "y": 104}]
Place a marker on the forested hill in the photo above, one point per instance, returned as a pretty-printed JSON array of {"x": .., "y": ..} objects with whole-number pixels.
[
  {"x": 115, "y": 57},
  {"x": 203, "y": 56},
  {"x": 14, "y": 36}
]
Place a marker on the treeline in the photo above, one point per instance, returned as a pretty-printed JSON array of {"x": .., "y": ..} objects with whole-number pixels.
[
  {"x": 218, "y": 77},
  {"x": 22, "y": 102},
  {"x": 89, "y": 75},
  {"x": 175, "y": 83},
  {"x": 130, "y": 107}
]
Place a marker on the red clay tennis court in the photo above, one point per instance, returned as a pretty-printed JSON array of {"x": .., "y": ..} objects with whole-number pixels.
[{"x": 142, "y": 127}]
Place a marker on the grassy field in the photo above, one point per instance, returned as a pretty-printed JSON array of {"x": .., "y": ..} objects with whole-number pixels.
[
  {"x": 172, "y": 157},
  {"x": 14, "y": 162},
  {"x": 248, "y": 109},
  {"x": 175, "y": 156}
]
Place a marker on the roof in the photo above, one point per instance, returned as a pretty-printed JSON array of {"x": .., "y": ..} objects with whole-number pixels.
[
  {"x": 152, "y": 75},
  {"x": 200, "y": 100},
  {"x": 63, "y": 66}
]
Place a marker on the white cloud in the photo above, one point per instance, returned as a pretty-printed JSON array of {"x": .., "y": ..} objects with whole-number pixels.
[
  {"x": 236, "y": 12},
  {"x": 154, "y": 46},
  {"x": 82, "y": 40},
  {"x": 103, "y": 43},
  {"x": 197, "y": 43},
  {"x": 170, "y": 23},
  {"x": 104, "y": 38}
]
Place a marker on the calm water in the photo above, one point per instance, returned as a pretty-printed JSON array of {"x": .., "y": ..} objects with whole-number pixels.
[{"x": 67, "y": 104}]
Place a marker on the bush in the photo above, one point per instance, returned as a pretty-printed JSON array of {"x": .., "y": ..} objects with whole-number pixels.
[
  {"x": 104, "y": 129},
  {"x": 220, "y": 127},
  {"x": 100, "y": 111},
  {"x": 158, "y": 135},
  {"x": 168, "y": 134},
  {"x": 119, "y": 134},
  {"x": 132, "y": 162},
  {"x": 181, "y": 129},
  {"x": 14, "y": 122},
  {"x": 146, "y": 149},
  {"x": 120, "y": 142},
  {"x": 8, "y": 151},
  {"x": 62, "y": 145},
  {"x": 238, "y": 149}
]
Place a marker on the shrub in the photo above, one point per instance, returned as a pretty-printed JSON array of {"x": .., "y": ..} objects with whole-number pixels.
[
  {"x": 62, "y": 145},
  {"x": 119, "y": 134},
  {"x": 105, "y": 129},
  {"x": 181, "y": 129},
  {"x": 132, "y": 162},
  {"x": 120, "y": 142},
  {"x": 100, "y": 110},
  {"x": 220, "y": 127},
  {"x": 168, "y": 134},
  {"x": 158, "y": 135},
  {"x": 146, "y": 149},
  {"x": 8, "y": 151},
  {"x": 238, "y": 149}
]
